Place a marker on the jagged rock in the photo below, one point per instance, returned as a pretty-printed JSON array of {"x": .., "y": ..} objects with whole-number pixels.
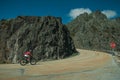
[
  {"x": 94, "y": 31},
  {"x": 46, "y": 36}
]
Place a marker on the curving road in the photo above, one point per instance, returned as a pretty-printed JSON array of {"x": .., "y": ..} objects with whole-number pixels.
[{"x": 88, "y": 65}]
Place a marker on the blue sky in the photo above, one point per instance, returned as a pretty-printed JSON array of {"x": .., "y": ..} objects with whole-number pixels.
[{"x": 66, "y": 9}]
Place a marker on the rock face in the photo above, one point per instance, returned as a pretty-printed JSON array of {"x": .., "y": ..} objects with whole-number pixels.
[
  {"x": 94, "y": 31},
  {"x": 46, "y": 36}
]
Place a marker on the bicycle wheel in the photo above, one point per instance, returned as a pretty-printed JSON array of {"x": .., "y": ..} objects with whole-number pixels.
[
  {"x": 23, "y": 62},
  {"x": 33, "y": 61}
]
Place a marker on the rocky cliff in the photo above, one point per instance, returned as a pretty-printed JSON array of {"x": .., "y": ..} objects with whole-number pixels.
[
  {"x": 95, "y": 31},
  {"x": 46, "y": 36}
]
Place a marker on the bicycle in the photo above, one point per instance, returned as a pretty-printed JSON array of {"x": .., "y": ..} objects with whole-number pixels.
[{"x": 26, "y": 60}]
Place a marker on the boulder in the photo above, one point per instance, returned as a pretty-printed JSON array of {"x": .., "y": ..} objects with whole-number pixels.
[{"x": 46, "y": 36}]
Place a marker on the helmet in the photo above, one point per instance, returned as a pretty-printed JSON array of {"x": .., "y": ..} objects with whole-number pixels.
[{"x": 30, "y": 50}]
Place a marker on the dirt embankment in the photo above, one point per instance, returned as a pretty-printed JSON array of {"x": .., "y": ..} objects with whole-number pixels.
[{"x": 88, "y": 65}]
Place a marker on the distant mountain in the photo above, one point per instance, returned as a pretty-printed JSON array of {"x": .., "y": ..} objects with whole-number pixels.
[
  {"x": 94, "y": 31},
  {"x": 46, "y": 36}
]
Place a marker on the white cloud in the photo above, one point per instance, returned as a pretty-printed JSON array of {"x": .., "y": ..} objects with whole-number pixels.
[
  {"x": 109, "y": 13},
  {"x": 76, "y": 12}
]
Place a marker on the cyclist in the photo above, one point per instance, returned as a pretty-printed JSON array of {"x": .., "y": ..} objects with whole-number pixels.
[{"x": 28, "y": 54}]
